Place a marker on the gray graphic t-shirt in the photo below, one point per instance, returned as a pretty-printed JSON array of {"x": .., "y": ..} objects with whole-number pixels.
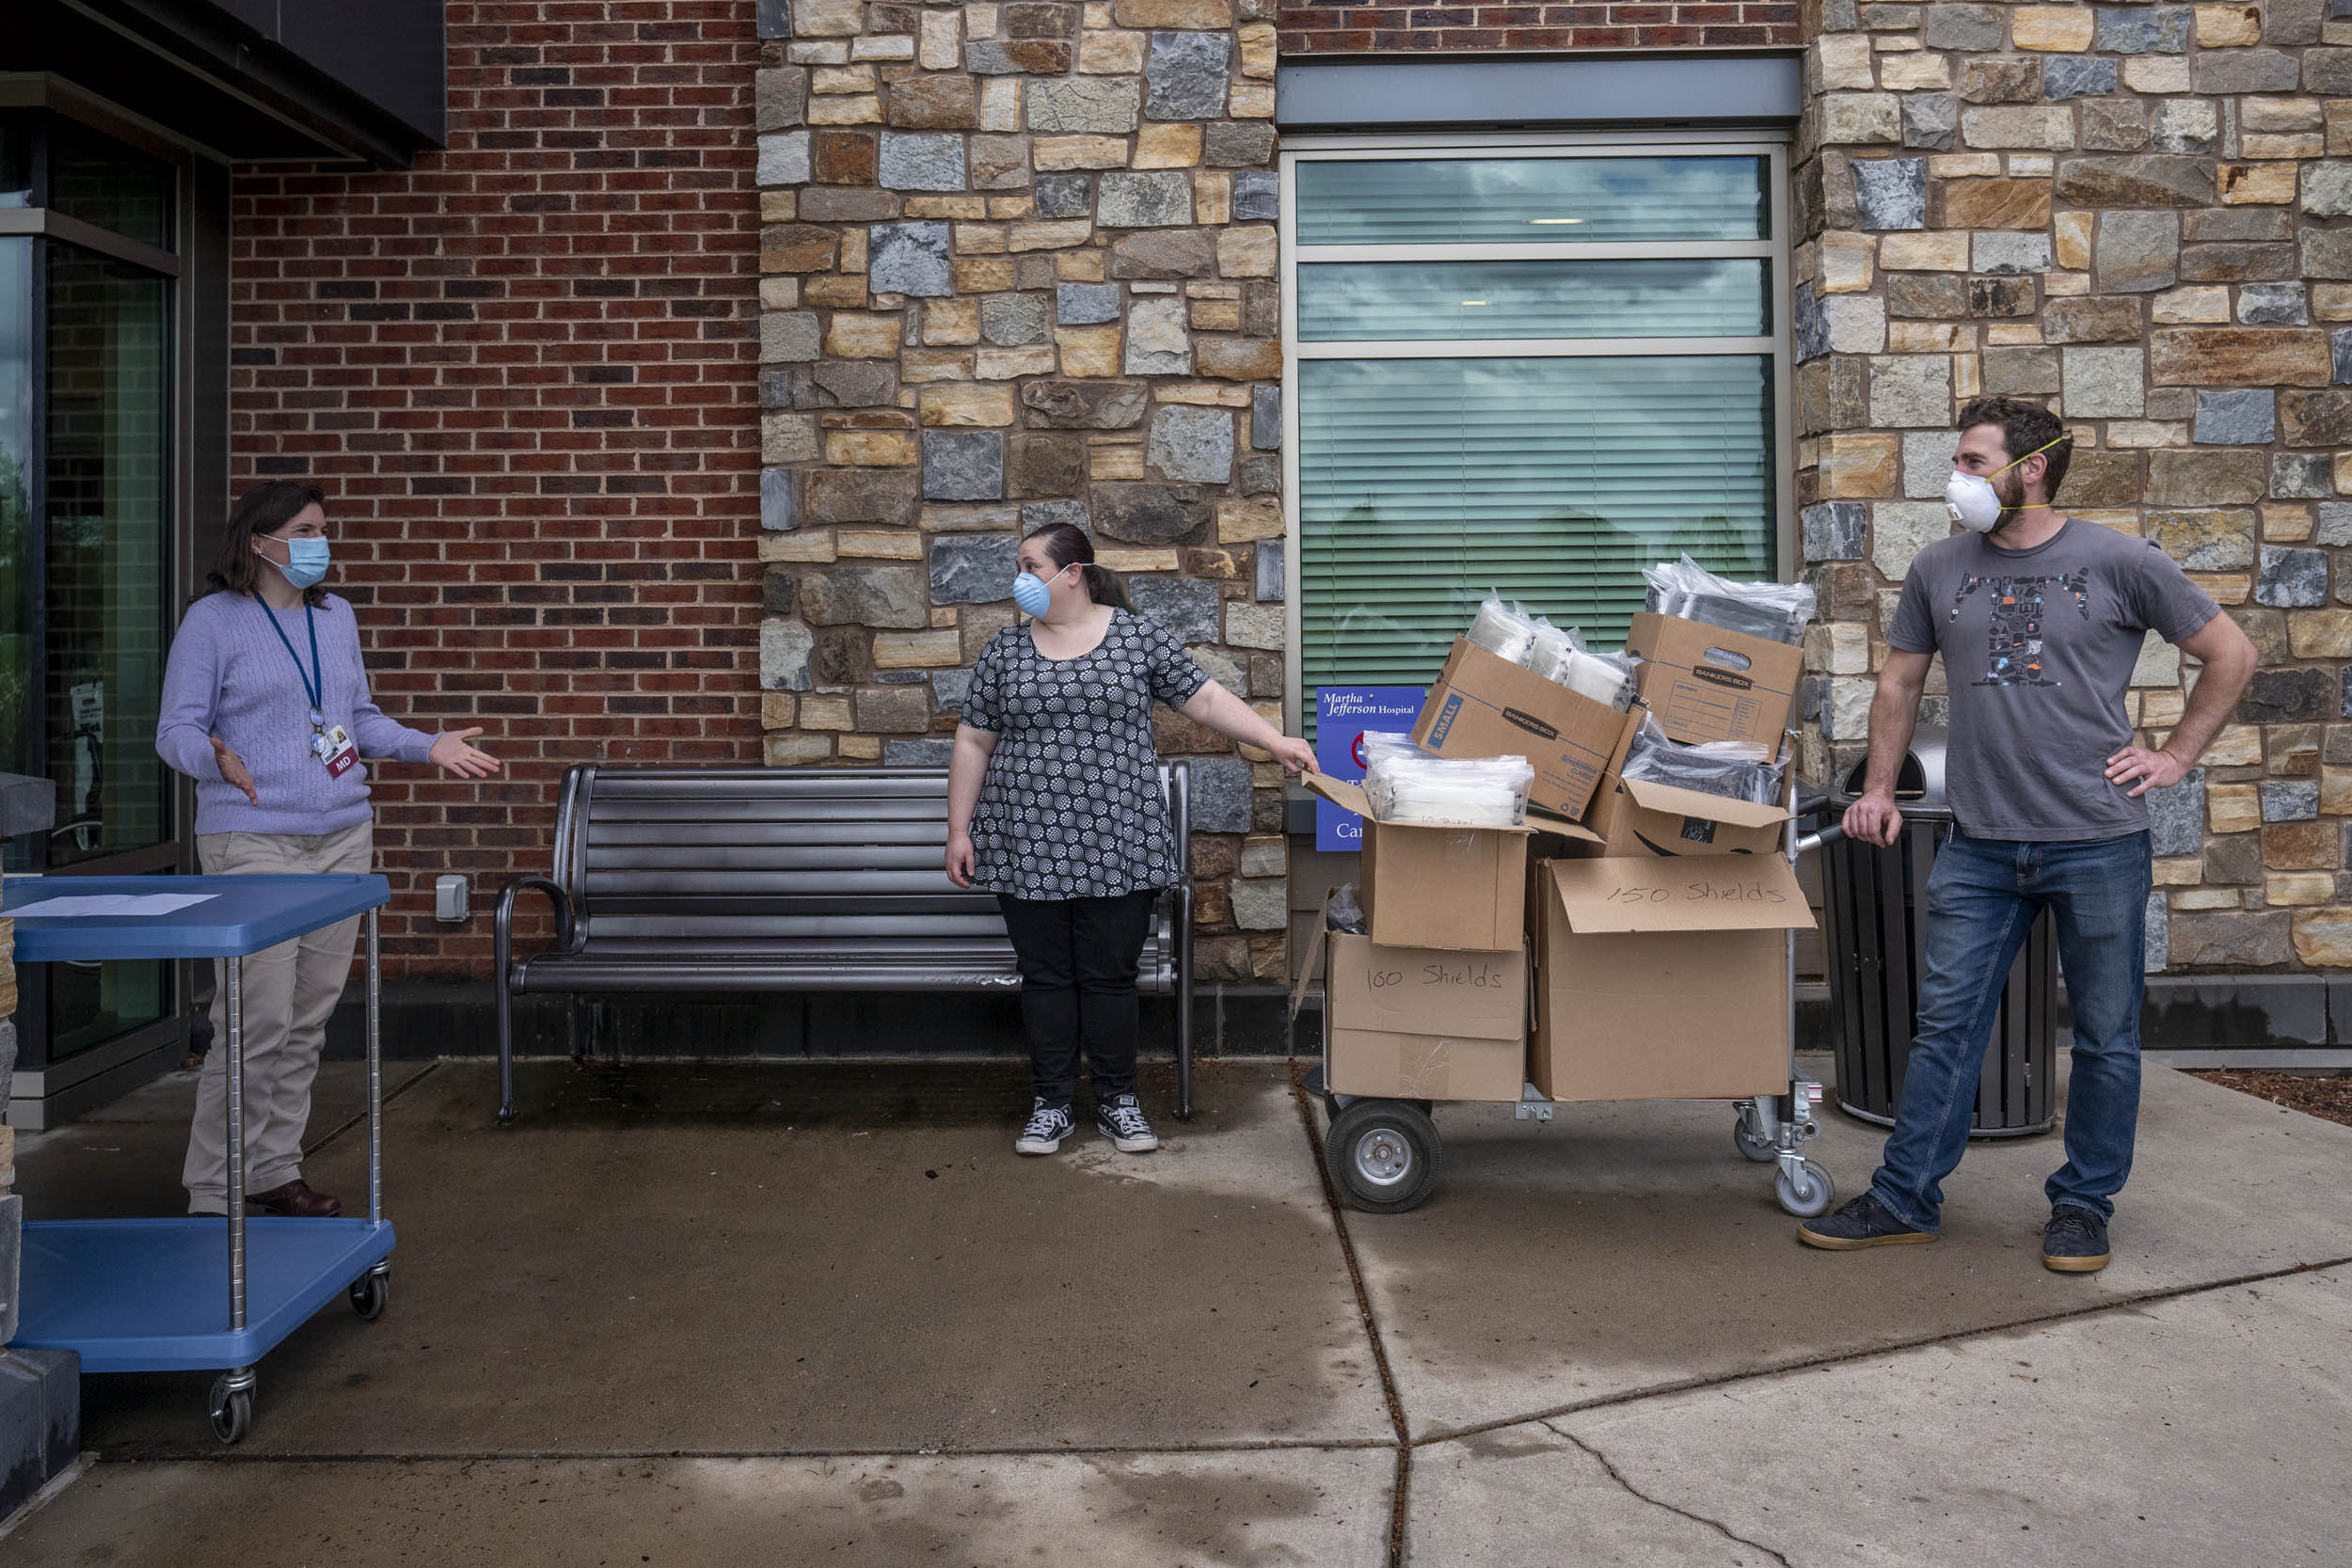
[{"x": 2039, "y": 647}]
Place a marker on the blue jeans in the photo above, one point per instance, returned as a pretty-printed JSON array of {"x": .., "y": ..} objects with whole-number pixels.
[{"x": 1983, "y": 897}]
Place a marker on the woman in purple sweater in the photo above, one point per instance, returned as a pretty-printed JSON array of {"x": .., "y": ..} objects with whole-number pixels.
[{"x": 267, "y": 707}]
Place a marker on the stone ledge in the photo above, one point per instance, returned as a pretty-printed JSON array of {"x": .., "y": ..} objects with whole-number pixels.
[{"x": 41, "y": 1415}]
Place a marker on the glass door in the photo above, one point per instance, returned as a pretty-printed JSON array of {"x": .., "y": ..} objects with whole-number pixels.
[{"x": 89, "y": 512}]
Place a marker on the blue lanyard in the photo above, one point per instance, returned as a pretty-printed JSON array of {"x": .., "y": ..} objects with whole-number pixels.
[{"x": 313, "y": 679}]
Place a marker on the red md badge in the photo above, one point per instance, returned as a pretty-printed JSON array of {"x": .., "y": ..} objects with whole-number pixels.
[{"x": 341, "y": 755}]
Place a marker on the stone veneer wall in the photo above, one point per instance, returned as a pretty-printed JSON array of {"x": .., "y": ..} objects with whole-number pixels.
[
  {"x": 2138, "y": 213},
  {"x": 1018, "y": 266}
]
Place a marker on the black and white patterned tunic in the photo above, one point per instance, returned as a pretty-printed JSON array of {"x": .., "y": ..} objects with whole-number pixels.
[{"x": 1071, "y": 805}]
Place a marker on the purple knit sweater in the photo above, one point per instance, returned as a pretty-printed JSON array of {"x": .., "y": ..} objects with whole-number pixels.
[{"x": 229, "y": 675}]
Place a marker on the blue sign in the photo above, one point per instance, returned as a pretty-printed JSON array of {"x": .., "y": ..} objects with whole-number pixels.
[{"x": 1343, "y": 714}]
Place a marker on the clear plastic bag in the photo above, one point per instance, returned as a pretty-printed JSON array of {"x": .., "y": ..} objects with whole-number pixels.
[
  {"x": 1479, "y": 792},
  {"x": 1346, "y": 914},
  {"x": 1735, "y": 769},
  {"x": 1504, "y": 630},
  {"x": 1775, "y": 610},
  {"x": 1562, "y": 658}
]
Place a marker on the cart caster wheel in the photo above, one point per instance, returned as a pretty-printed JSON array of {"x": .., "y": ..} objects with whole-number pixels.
[
  {"x": 1762, "y": 1151},
  {"x": 1809, "y": 1195},
  {"x": 369, "y": 1295},
  {"x": 232, "y": 1410},
  {"x": 1382, "y": 1155}
]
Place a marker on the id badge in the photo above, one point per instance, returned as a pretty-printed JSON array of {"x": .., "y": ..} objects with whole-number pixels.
[{"x": 341, "y": 756}]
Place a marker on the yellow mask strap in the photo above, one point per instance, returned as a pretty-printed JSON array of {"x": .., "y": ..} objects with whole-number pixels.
[{"x": 2036, "y": 452}]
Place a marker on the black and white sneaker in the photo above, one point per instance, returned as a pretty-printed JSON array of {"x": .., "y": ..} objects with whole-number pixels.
[
  {"x": 1120, "y": 1121},
  {"x": 1048, "y": 1126}
]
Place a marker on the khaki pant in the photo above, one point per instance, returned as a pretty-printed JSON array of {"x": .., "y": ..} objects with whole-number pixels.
[{"x": 286, "y": 994}]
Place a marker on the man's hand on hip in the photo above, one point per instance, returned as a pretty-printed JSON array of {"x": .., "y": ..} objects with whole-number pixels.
[
  {"x": 2145, "y": 769},
  {"x": 1873, "y": 819}
]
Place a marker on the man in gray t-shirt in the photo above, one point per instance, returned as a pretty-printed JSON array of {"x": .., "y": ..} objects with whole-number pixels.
[{"x": 2041, "y": 620}]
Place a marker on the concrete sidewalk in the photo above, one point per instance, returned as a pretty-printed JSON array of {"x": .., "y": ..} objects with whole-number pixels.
[{"x": 800, "y": 1314}]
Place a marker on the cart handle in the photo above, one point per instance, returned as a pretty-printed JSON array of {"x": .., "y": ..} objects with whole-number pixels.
[{"x": 1828, "y": 835}]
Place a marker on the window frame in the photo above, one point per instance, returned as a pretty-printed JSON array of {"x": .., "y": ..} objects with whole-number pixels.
[{"x": 1773, "y": 251}]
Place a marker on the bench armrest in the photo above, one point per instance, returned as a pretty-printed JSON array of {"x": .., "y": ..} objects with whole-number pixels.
[
  {"x": 1180, "y": 816},
  {"x": 503, "y": 926},
  {"x": 502, "y": 950}
]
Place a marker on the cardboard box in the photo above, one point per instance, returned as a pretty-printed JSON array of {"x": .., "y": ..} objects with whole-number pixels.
[
  {"x": 1485, "y": 706},
  {"x": 1641, "y": 818},
  {"x": 1705, "y": 683},
  {"x": 1421, "y": 1022},
  {"x": 1659, "y": 980},
  {"x": 1434, "y": 885}
]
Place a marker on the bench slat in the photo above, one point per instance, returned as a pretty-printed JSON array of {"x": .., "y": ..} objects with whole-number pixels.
[
  {"x": 704, "y": 859},
  {"x": 771, "y": 785},
  {"x": 682, "y": 883},
  {"x": 930, "y": 834},
  {"x": 848, "y": 809},
  {"x": 843, "y": 927}
]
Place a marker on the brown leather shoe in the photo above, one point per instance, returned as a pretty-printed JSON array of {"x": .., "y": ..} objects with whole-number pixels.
[{"x": 294, "y": 1200}]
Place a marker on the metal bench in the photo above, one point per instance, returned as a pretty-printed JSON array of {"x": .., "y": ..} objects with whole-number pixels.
[{"x": 726, "y": 880}]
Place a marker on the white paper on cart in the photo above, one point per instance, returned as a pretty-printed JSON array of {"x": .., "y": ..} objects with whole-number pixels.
[{"x": 109, "y": 903}]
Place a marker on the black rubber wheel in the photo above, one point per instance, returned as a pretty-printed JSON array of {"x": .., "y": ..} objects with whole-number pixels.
[
  {"x": 233, "y": 1413},
  {"x": 1382, "y": 1155},
  {"x": 369, "y": 1295}
]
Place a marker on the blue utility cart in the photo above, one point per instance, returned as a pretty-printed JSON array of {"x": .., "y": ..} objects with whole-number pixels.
[{"x": 195, "y": 1293}]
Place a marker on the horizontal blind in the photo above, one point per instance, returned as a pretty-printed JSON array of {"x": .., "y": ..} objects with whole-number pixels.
[
  {"x": 1373, "y": 301},
  {"x": 1531, "y": 200},
  {"x": 1423, "y": 483}
]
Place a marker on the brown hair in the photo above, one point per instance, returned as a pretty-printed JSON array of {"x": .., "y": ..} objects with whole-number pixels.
[
  {"x": 1064, "y": 543},
  {"x": 2026, "y": 428},
  {"x": 264, "y": 508}
]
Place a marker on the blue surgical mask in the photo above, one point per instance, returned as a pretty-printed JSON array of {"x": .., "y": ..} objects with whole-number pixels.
[
  {"x": 1034, "y": 593},
  {"x": 306, "y": 560}
]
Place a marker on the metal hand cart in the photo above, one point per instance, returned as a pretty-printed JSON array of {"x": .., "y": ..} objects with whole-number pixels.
[
  {"x": 1384, "y": 1155},
  {"x": 194, "y": 1292}
]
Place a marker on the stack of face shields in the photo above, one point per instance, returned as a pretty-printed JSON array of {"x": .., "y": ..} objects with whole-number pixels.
[
  {"x": 1408, "y": 784},
  {"x": 1732, "y": 768},
  {"x": 1561, "y": 657},
  {"x": 1774, "y": 611},
  {"x": 1508, "y": 631},
  {"x": 1504, "y": 630}
]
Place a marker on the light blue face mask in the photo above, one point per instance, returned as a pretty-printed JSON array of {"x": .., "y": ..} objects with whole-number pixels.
[
  {"x": 306, "y": 560},
  {"x": 1034, "y": 593}
]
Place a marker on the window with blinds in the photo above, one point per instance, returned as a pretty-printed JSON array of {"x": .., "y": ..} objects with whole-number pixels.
[{"x": 1525, "y": 371}]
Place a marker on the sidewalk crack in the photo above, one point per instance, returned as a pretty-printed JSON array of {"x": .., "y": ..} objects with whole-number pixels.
[{"x": 1618, "y": 1476}]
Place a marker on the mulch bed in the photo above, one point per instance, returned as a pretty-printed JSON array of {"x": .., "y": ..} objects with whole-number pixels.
[{"x": 2331, "y": 1098}]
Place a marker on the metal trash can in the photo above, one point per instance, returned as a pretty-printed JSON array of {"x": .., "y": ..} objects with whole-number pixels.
[{"x": 1875, "y": 954}]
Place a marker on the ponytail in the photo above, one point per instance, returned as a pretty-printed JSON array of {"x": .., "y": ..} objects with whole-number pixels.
[{"x": 1102, "y": 584}]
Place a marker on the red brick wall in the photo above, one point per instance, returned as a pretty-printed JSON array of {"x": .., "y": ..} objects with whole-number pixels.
[
  {"x": 1401, "y": 27},
  {"x": 525, "y": 373}
]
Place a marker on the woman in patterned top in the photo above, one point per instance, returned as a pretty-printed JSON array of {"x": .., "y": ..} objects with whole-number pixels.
[{"x": 1054, "y": 805}]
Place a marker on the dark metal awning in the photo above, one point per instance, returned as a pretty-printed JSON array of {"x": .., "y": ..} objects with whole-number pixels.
[{"x": 253, "y": 79}]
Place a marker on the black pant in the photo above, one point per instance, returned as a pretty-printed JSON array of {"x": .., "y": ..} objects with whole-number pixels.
[{"x": 1079, "y": 958}]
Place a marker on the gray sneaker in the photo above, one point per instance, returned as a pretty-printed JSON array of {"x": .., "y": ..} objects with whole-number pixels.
[{"x": 1048, "y": 1126}]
